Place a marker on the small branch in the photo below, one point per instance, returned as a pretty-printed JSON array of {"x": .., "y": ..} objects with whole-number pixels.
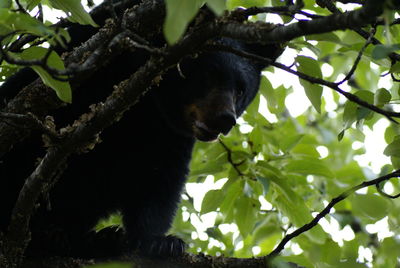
[
  {"x": 40, "y": 13},
  {"x": 380, "y": 191},
  {"x": 230, "y": 160},
  {"x": 55, "y": 73},
  {"x": 360, "y": 53},
  {"x": 29, "y": 121},
  {"x": 20, "y": 7},
  {"x": 327, "y": 209}
]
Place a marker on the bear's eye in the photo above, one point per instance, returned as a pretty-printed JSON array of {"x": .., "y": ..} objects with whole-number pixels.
[{"x": 239, "y": 93}]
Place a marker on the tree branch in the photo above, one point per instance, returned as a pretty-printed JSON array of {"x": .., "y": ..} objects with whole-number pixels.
[
  {"x": 256, "y": 33},
  {"x": 327, "y": 209},
  {"x": 30, "y": 121},
  {"x": 186, "y": 261},
  {"x": 359, "y": 56},
  {"x": 230, "y": 160},
  {"x": 332, "y": 8}
]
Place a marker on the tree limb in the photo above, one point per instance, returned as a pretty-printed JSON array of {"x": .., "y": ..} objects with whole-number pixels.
[{"x": 348, "y": 20}]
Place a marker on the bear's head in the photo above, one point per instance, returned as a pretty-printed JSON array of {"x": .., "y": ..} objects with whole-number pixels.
[{"x": 203, "y": 96}]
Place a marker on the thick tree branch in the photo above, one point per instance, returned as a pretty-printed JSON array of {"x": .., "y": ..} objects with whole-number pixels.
[
  {"x": 347, "y": 20},
  {"x": 186, "y": 261},
  {"x": 332, "y": 8}
]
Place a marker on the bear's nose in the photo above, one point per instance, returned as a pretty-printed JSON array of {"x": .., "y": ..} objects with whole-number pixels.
[{"x": 225, "y": 121}]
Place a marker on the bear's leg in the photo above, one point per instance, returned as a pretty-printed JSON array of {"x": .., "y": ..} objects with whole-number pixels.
[{"x": 146, "y": 226}]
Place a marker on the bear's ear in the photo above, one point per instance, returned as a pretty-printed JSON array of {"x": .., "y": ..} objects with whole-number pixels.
[{"x": 271, "y": 51}]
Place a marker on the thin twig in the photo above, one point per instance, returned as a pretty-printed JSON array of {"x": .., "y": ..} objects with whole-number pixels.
[
  {"x": 20, "y": 7},
  {"x": 359, "y": 56},
  {"x": 230, "y": 160},
  {"x": 29, "y": 121},
  {"x": 380, "y": 191}
]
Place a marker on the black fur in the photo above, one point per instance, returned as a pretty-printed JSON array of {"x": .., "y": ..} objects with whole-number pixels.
[{"x": 141, "y": 166}]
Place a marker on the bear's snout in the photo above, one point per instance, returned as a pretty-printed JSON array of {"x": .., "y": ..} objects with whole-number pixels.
[{"x": 224, "y": 121}]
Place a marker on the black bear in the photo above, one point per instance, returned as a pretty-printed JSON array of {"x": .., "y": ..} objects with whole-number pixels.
[{"x": 140, "y": 167}]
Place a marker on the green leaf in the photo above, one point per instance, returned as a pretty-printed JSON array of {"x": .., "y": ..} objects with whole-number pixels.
[
  {"x": 217, "y": 6},
  {"x": 395, "y": 162},
  {"x": 306, "y": 150},
  {"x": 5, "y": 3},
  {"x": 329, "y": 37},
  {"x": 340, "y": 135},
  {"x": 353, "y": 112},
  {"x": 393, "y": 149},
  {"x": 31, "y": 4},
  {"x": 290, "y": 141},
  {"x": 350, "y": 173},
  {"x": 382, "y": 51},
  {"x": 114, "y": 220},
  {"x": 309, "y": 66},
  {"x": 257, "y": 138},
  {"x": 370, "y": 206},
  {"x": 313, "y": 92},
  {"x": 245, "y": 215},
  {"x": 395, "y": 68},
  {"x": 111, "y": 265},
  {"x": 75, "y": 10},
  {"x": 330, "y": 253},
  {"x": 252, "y": 109},
  {"x": 265, "y": 184},
  {"x": 206, "y": 167},
  {"x": 349, "y": 114},
  {"x": 234, "y": 191},
  {"x": 288, "y": 201},
  {"x": 211, "y": 201},
  {"x": 12, "y": 21},
  {"x": 179, "y": 14},
  {"x": 387, "y": 254},
  {"x": 382, "y": 96},
  {"x": 62, "y": 89},
  {"x": 267, "y": 90},
  {"x": 265, "y": 230},
  {"x": 245, "y": 3},
  {"x": 309, "y": 166}
]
